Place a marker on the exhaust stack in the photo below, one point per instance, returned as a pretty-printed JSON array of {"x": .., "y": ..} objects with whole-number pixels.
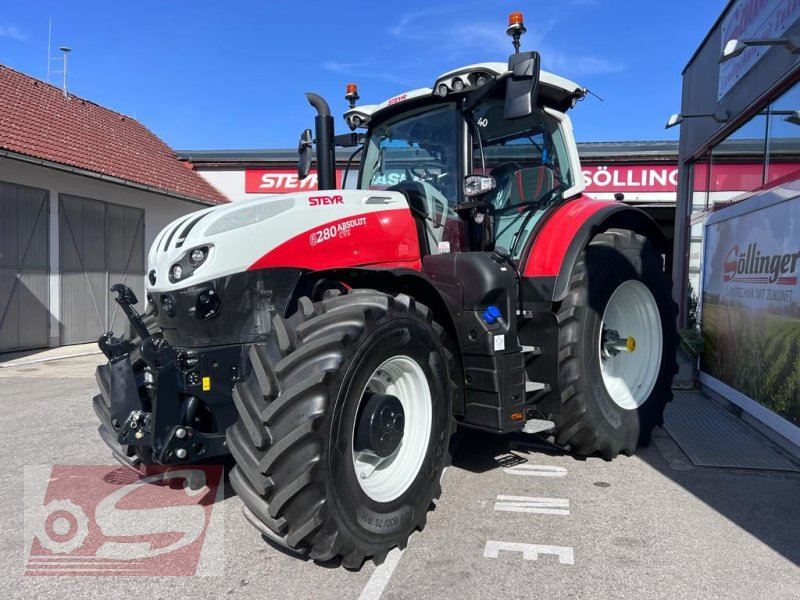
[{"x": 323, "y": 124}]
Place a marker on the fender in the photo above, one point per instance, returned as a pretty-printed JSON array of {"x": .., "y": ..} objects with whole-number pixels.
[
  {"x": 555, "y": 246},
  {"x": 393, "y": 279},
  {"x": 397, "y": 280}
]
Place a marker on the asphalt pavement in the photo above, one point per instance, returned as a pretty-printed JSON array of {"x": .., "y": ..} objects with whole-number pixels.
[{"x": 517, "y": 519}]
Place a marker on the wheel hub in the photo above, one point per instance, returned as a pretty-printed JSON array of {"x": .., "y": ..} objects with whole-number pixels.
[
  {"x": 613, "y": 343},
  {"x": 392, "y": 429},
  {"x": 381, "y": 426}
]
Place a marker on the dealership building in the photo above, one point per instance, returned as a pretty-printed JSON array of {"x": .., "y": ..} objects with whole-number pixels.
[
  {"x": 739, "y": 253},
  {"x": 83, "y": 193}
]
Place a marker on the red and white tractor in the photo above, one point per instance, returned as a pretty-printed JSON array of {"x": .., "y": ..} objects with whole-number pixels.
[{"x": 331, "y": 341}]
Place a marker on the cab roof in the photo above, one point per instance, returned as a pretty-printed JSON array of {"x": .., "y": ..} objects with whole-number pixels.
[{"x": 554, "y": 91}]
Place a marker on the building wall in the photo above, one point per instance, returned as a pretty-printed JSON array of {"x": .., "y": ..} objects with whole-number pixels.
[
  {"x": 159, "y": 211},
  {"x": 228, "y": 181},
  {"x": 701, "y": 78},
  {"x": 705, "y": 91},
  {"x": 749, "y": 320}
]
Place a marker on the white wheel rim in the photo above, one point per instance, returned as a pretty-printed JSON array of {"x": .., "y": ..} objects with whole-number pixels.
[
  {"x": 385, "y": 479},
  {"x": 630, "y": 376}
]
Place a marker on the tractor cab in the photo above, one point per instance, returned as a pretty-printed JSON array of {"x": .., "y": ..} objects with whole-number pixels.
[{"x": 477, "y": 168}]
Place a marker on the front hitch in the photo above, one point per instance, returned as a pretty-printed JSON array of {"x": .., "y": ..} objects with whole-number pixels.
[
  {"x": 144, "y": 401},
  {"x": 116, "y": 349}
]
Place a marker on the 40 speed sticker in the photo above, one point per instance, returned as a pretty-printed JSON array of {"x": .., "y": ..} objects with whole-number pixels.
[{"x": 339, "y": 230}]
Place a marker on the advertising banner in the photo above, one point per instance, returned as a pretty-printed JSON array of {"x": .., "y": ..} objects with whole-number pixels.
[
  {"x": 751, "y": 304},
  {"x": 752, "y": 19},
  {"x": 631, "y": 178},
  {"x": 281, "y": 181},
  {"x": 662, "y": 177}
]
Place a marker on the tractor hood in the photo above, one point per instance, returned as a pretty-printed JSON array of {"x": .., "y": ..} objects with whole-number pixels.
[{"x": 312, "y": 230}]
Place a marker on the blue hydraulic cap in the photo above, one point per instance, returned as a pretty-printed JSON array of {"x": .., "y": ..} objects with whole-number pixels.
[{"x": 491, "y": 314}]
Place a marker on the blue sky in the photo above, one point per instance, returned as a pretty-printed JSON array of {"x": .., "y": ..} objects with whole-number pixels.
[{"x": 210, "y": 75}]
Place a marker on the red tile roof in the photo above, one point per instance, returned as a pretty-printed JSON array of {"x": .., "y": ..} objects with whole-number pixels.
[{"x": 37, "y": 120}]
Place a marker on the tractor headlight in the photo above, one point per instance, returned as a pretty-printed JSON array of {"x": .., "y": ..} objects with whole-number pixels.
[
  {"x": 477, "y": 185},
  {"x": 198, "y": 255},
  {"x": 189, "y": 263}
]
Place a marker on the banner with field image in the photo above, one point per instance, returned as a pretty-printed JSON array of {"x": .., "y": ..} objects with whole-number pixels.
[{"x": 751, "y": 304}]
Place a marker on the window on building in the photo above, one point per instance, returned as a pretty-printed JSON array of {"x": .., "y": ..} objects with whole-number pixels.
[
  {"x": 699, "y": 178},
  {"x": 695, "y": 259},
  {"x": 737, "y": 162},
  {"x": 699, "y": 185},
  {"x": 783, "y": 139}
]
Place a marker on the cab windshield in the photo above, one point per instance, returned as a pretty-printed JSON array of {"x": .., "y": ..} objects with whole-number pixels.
[{"x": 419, "y": 152}]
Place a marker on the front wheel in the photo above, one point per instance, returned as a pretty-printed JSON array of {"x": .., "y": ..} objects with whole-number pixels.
[
  {"x": 617, "y": 344},
  {"x": 340, "y": 447}
]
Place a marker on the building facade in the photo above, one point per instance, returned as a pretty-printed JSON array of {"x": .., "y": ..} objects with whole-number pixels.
[
  {"x": 83, "y": 193},
  {"x": 737, "y": 255}
]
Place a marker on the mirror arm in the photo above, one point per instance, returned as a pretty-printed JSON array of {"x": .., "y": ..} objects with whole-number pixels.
[
  {"x": 349, "y": 140},
  {"x": 347, "y": 166}
]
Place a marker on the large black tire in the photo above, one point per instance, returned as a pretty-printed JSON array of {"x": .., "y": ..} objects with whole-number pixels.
[
  {"x": 590, "y": 420},
  {"x": 293, "y": 442}
]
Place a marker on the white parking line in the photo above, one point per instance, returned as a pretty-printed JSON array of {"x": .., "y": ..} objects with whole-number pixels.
[
  {"x": 380, "y": 578},
  {"x": 544, "y": 506},
  {"x": 383, "y": 572},
  {"x": 566, "y": 556},
  {"x": 536, "y": 470}
]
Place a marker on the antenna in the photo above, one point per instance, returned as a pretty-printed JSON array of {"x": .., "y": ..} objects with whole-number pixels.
[
  {"x": 49, "y": 35},
  {"x": 62, "y": 59}
]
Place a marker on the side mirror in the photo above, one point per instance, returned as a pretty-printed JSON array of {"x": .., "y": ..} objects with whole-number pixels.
[
  {"x": 522, "y": 86},
  {"x": 477, "y": 185},
  {"x": 304, "y": 154}
]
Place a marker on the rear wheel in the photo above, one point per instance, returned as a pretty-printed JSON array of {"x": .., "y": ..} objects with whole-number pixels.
[
  {"x": 340, "y": 447},
  {"x": 617, "y": 343}
]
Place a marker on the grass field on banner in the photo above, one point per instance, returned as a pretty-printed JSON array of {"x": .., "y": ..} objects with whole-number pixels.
[{"x": 757, "y": 353}]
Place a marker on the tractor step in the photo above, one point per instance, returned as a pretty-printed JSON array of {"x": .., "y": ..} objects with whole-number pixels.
[
  {"x": 537, "y": 426},
  {"x": 535, "y": 386},
  {"x": 535, "y": 350}
]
